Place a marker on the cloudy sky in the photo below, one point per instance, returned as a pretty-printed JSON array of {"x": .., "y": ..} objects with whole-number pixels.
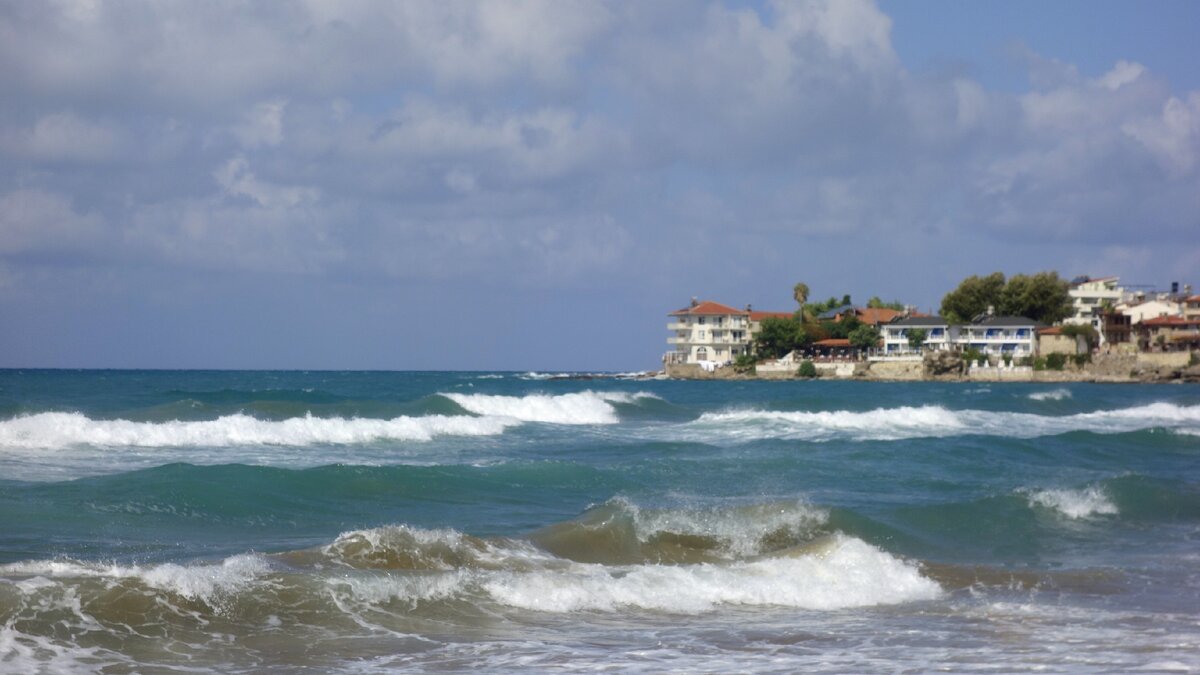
[{"x": 534, "y": 185}]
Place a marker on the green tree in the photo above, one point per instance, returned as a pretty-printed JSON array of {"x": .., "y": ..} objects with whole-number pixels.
[
  {"x": 778, "y": 336},
  {"x": 800, "y": 293},
  {"x": 916, "y": 338},
  {"x": 1042, "y": 297},
  {"x": 840, "y": 329},
  {"x": 1086, "y": 331},
  {"x": 972, "y": 297},
  {"x": 864, "y": 337},
  {"x": 877, "y": 303}
]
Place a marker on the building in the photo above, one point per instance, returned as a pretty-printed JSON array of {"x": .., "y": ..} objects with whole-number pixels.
[
  {"x": 939, "y": 334},
  {"x": 1011, "y": 335},
  {"x": 1191, "y": 307},
  {"x": 1152, "y": 309},
  {"x": 711, "y": 333},
  {"x": 1052, "y": 341},
  {"x": 1090, "y": 298},
  {"x": 1168, "y": 334}
]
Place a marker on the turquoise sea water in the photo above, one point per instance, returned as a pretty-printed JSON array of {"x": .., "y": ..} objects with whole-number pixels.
[{"x": 345, "y": 521}]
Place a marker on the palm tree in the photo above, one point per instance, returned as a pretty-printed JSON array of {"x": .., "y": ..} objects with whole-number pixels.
[{"x": 800, "y": 293}]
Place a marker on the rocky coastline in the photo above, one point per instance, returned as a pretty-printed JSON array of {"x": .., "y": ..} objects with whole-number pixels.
[{"x": 1172, "y": 367}]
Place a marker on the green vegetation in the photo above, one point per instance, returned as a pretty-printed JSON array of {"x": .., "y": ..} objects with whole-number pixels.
[
  {"x": 1082, "y": 359},
  {"x": 1085, "y": 331},
  {"x": 1194, "y": 359},
  {"x": 745, "y": 363},
  {"x": 1007, "y": 358},
  {"x": 876, "y": 303},
  {"x": 807, "y": 369},
  {"x": 778, "y": 336},
  {"x": 1039, "y": 363},
  {"x": 973, "y": 355},
  {"x": 916, "y": 338},
  {"x": 1042, "y": 297},
  {"x": 1056, "y": 361},
  {"x": 800, "y": 293},
  {"x": 864, "y": 337}
]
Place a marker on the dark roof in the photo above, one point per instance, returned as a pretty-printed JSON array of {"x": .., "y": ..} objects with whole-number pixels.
[
  {"x": 835, "y": 311},
  {"x": 1005, "y": 321},
  {"x": 920, "y": 321}
]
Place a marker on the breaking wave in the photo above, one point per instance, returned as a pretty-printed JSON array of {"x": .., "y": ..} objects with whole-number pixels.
[
  {"x": 58, "y": 430},
  {"x": 585, "y": 407},
  {"x": 1074, "y": 504},
  {"x": 930, "y": 421}
]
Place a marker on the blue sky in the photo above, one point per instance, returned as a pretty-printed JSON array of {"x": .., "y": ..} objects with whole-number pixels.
[{"x": 534, "y": 185}]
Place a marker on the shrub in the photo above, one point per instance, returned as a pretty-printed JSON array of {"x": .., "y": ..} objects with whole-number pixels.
[
  {"x": 1039, "y": 363},
  {"x": 807, "y": 369},
  {"x": 1025, "y": 361},
  {"x": 745, "y": 363},
  {"x": 1194, "y": 359},
  {"x": 1008, "y": 359},
  {"x": 1081, "y": 359},
  {"x": 1056, "y": 361}
]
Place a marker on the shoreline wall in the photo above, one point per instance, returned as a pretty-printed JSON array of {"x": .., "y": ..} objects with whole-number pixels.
[{"x": 1116, "y": 368}]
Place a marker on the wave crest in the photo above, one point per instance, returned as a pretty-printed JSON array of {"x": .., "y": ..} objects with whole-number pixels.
[
  {"x": 59, "y": 430},
  {"x": 1074, "y": 504},
  {"x": 585, "y": 407}
]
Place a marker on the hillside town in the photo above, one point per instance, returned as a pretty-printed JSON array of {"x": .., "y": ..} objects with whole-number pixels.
[{"x": 1098, "y": 328}]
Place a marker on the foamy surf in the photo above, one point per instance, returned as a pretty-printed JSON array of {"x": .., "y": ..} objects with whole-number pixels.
[
  {"x": 1074, "y": 504},
  {"x": 585, "y": 407},
  {"x": 927, "y": 421},
  {"x": 1052, "y": 395},
  {"x": 60, "y": 430},
  {"x": 849, "y": 573}
]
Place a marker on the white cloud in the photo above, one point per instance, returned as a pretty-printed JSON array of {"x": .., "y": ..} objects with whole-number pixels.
[{"x": 62, "y": 136}]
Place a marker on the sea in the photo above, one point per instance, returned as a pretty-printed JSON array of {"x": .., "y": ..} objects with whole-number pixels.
[{"x": 280, "y": 522}]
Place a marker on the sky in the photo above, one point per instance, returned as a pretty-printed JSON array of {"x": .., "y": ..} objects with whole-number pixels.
[{"x": 535, "y": 185}]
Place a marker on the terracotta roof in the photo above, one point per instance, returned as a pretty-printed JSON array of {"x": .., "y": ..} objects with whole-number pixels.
[
  {"x": 832, "y": 342},
  {"x": 1171, "y": 321},
  {"x": 708, "y": 307},
  {"x": 877, "y": 315},
  {"x": 759, "y": 316},
  {"x": 1052, "y": 330}
]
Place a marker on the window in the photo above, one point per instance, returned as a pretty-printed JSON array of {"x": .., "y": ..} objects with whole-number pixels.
[{"x": 700, "y": 321}]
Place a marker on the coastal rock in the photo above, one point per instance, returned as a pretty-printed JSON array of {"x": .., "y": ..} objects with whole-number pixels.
[{"x": 941, "y": 364}]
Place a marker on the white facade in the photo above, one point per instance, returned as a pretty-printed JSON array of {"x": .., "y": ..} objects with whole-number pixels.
[
  {"x": 1014, "y": 336},
  {"x": 708, "y": 332},
  {"x": 1088, "y": 299},
  {"x": 1152, "y": 309},
  {"x": 939, "y": 335}
]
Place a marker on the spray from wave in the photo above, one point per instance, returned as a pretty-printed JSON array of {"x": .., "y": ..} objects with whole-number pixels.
[
  {"x": 1074, "y": 504},
  {"x": 585, "y": 407}
]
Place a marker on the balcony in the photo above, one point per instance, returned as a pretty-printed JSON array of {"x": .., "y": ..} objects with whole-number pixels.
[{"x": 679, "y": 326}]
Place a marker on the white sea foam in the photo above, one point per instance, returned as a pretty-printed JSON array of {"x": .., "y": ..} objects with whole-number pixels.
[
  {"x": 196, "y": 582},
  {"x": 1052, "y": 395},
  {"x": 850, "y": 573},
  {"x": 585, "y": 407},
  {"x": 1074, "y": 504},
  {"x": 928, "y": 421},
  {"x": 58, "y": 430}
]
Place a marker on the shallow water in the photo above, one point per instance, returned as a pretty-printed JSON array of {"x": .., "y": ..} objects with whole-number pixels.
[{"x": 249, "y": 521}]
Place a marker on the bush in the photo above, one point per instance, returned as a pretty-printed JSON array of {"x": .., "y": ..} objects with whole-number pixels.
[
  {"x": 745, "y": 363},
  {"x": 1007, "y": 360},
  {"x": 1025, "y": 361},
  {"x": 1039, "y": 363},
  {"x": 807, "y": 369},
  {"x": 1056, "y": 361},
  {"x": 972, "y": 355},
  {"x": 1081, "y": 359},
  {"x": 1194, "y": 359}
]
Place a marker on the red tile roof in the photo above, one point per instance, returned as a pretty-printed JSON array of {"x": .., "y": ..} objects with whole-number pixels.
[
  {"x": 1171, "y": 321},
  {"x": 832, "y": 342},
  {"x": 709, "y": 308},
  {"x": 876, "y": 315},
  {"x": 759, "y": 316},
  {"x": 1052, "y": 330}
]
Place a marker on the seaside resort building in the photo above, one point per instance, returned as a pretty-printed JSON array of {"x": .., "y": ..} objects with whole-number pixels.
[
  {"x": 999, "y": 335},
  {"x": 1091, "y": 297},
  {"x": 709, "y": 333}
]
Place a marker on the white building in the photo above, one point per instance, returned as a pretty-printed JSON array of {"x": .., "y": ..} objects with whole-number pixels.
[
  {"x": 1012, "y": 335},
  {"x": 712, "y": 333},
  {"x": 1089, "y": 297},
  {"x": 1151, "y": 309},
  {"x": 939, "y": 334}
]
